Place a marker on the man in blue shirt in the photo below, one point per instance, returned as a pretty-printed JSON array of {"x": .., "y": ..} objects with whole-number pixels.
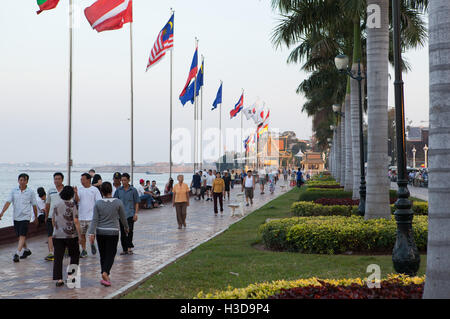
[
  {"x": 130, "y": 199},
  {"x": 299, "y": 178}
]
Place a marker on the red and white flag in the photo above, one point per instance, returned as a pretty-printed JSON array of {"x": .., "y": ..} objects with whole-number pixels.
[{"x": 106, "y": 15}]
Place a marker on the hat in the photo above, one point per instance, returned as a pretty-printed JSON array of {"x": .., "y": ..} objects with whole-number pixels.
[
  {"x": 141, "y": 181},
  {"x": 117, "y": 175}
]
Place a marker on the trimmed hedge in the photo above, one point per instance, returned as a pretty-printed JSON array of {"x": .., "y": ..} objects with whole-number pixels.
[
  {"x": 305, "y": 209},
  {"x": 338, "y": 234},
  {"x": 311, "y": 194},
  {"x": 265, "y": 290},
  {"x": 321, "y": 183}
]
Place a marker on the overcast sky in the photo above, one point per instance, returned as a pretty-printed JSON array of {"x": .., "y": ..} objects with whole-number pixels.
[{"x": 234, "y": 38}]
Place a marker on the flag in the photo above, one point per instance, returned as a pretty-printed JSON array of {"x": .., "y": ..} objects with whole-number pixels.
[
  {"x": 248, "y": 112},
  {"x": 46, "y": 5},
  {"x": 246, "y": 143},
  {"x": 263, "y": 130},
  {"x": 192, "y": 72},
  {"x": 218, "y": 99},
  {"x": 163, "y": 43},
  {"x": 106, "y": 15},
  {"x": 238, "y": 107},
  {"x": 189, "y": 95},
  {"x": 200, "y": 77}
]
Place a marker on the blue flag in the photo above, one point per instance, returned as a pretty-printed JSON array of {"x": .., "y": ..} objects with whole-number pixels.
[
  {"x": 200, "y": 77},
  {"x": 189, "y": 95},
  {"x": 218, "y": 99}
]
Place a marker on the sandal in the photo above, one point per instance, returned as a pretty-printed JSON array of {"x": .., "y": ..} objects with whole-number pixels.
[
  {"x": 59, "y": 283},
  {"x": 105, "y": 283},
  {"x": 124, "y": 253}
]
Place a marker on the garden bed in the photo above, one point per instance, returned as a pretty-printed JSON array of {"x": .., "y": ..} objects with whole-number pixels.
[
  {"x": 394, "y": 287},
  {"x": 338, "y": 234}
]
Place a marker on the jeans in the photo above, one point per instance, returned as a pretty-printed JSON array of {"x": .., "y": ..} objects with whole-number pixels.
[
  {"x": 148, "y": 198},
  {"x": 107, "y": 247},
  {"x": 127, "y": 241}
]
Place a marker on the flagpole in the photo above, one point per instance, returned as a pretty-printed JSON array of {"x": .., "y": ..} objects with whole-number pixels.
[
  {"x": 242, "y": 130},
  {"x": 195, "y": 113},
  {"x": 201, "y": 116},
  {"x": 220, "y": 134},
  {"x": 171, "y": 107},
  {"x": 132, "y": 104},
  {"x": 69, "y": 136}
]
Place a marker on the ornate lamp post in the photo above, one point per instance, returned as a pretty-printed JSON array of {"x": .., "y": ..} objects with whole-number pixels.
[
  {"x": 405, "y": 256},
  {"x": 425, "y": 149},
  {"x": 414, "y": 156},
  {"x": 342, "y": 62}
]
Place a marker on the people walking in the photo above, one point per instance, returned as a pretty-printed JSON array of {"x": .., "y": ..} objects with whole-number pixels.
[
  {"x": 248, "y": 185},
  {"x": 218, "y": 192},
  {"x": 108, "y": 214},
  {"x": 116, "y": 182},
  {"x": 262, "y": 182},
  {"x": 86, "y": 197},
  {"x": 209, "y": 184},
  {"x": 228, "y": 184},
  {"x": 233, "y": 178},
  {"x": 66, "y": 231},
  {"x": 130, "y": 199},
  {"x": 53, "y": 199},
  {"x": 24, "y": 202},
  {"x": 299, "y": 176},
  {"x": 196, "y": 184},
  {"x": 180, "y": 200}
]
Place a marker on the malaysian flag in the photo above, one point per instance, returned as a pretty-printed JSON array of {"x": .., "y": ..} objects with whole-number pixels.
[{"x": 163, "y": 43}]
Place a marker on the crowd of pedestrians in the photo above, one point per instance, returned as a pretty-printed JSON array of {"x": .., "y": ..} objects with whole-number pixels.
[{"x": 100, "y": 212}]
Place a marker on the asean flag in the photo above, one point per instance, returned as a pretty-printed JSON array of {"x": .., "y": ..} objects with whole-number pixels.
[{"x": 106, "y": 15}]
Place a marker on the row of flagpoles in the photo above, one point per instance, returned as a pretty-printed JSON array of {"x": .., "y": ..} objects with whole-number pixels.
[{"x": 104, "y": 15}]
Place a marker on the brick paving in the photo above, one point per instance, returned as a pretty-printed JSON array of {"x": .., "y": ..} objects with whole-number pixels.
[
  {"x": 418, "y": 192},
  {"x": 157, "y": 240}
]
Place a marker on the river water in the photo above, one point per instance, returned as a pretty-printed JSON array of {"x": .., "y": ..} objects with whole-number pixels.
[{"x": 8, "y": 180}]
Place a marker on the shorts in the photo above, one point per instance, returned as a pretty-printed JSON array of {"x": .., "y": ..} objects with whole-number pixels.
[
  {"x": 41, "y": 219},
  {"x": 49, "y": 226},
  {"x": 262, "y": 181},
  {"x": 208, "y": 188},
  {"x": 84, "y": 226},
  {"x": 195, "y": 191},
  {"x": 21, "y": 227},
  {"x": 249, "y": 192}
]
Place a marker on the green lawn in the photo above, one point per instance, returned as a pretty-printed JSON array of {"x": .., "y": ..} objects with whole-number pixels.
[{"x": 209, "y": 266}]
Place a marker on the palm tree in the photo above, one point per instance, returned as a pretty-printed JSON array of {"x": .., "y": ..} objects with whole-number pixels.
[
  {"x": 438, "y": 258},
  {"x": 377, "y": 198},
  {"x": 348, "y": 143}
]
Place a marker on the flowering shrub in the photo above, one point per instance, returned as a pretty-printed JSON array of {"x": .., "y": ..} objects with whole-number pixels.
[
  {"x": 337, "y": 201},
  {"x": 338, "y": 234},
  {"x": 316, "y": 183},
  {"x": 390, "y": 289},
  {"x": 266, "y": 290}
]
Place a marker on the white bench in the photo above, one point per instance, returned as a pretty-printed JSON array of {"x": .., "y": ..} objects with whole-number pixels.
[
  {"x": 233, "y": 207},
  {"x": 283, "y": 188}
]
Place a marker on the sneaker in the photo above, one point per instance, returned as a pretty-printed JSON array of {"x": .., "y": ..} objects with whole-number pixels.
[
  {"x": 93, "y": 249},
  {"x": 66, "y": 253},
  {"x": 247, "y": 204},
  {"x": 25, "y": 254},
  {"x": 16, "y": 258},
  {"x": 83, "y": 254},
  {"x": 50, "y": 257}
]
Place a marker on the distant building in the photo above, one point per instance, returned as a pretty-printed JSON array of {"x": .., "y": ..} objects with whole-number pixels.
[
  {"x": 313, "y": 163},
  {"x": 416, "y": 138}
]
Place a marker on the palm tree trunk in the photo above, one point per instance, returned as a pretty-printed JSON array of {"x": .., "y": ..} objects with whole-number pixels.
[
  {"x": 348, "y": 143},
  {"x": 338, "y": 153},
  {"x": 438, "y": 257},
  {"x": 377, "y": 198},
  {"x": 354, "y": 95},
  {"x": 342, "y": 130}
]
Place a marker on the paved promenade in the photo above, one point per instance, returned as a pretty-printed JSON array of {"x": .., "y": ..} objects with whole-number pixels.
[
  {"x": 157, "y": 240},
  {"x": 418, "y": 192}
]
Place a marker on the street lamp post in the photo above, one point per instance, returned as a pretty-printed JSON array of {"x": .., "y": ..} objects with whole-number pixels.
[
  {"x": 425, "y": 149},
  {"x": 342, "y": 62},
  {"x": 414, "y": 156},
  {"x": 405, "y": 257}
]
